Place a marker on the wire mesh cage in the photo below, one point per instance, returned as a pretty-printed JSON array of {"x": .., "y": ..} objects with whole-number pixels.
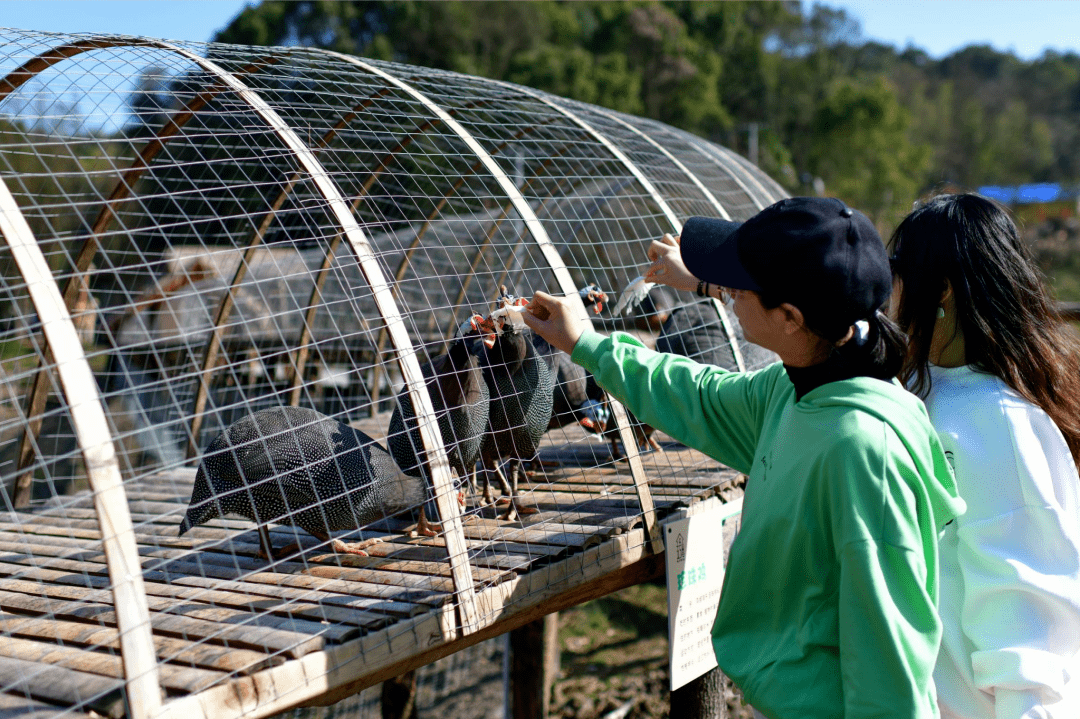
[{"x": 267, "y": 431}]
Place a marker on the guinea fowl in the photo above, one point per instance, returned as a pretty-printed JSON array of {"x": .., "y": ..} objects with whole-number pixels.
[
  {"x": 296, "y": 466},
  {"x": 695, "y": 331},
  {"x": 460, "y": 399},
  {"x": 520, "y": 385},
  {"x": 574, "y": 398}
]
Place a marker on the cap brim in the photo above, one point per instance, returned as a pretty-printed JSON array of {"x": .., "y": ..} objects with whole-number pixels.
[{"x": 711, "y": 253}]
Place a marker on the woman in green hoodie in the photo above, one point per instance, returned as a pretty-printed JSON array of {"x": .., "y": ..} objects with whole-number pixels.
[{"x": 829, "y": 605}]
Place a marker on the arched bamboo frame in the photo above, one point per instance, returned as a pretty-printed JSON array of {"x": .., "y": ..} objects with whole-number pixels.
[
  {"x": 562, "y": 276},
  {"x": 38, "y": 395},
  {"x": 449, "y": 512},
  {"x": 717, "y": 305},
  {"x": 99, "y": 453},
  {"x": 386, "y": 296},
  {"x": 411, "y": 249},
  {"x": 225, "y": 305}
]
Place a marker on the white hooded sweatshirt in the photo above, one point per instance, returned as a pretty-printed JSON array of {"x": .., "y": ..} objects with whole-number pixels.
[{"x": 1010, "y": 566}]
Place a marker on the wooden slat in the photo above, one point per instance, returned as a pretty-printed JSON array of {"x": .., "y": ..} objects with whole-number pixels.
[
  {"x": 580, "y": 575},
  {"x": 63, "y": 686},
  {"x": 20, "y": 707},
  {"x": 167, "y": 598},
  {"x": 162, "y": 608},
  {"x": 295, "y": 643},
  {"x": 174, "y": 678},
  {"x": 182, "y": 651},
  {"x": 259, "y": 581}
]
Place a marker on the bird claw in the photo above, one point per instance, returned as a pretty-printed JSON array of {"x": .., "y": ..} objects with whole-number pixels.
[
  {"x": 516, "y": 509},
  {"x": 342, "y": 548}
]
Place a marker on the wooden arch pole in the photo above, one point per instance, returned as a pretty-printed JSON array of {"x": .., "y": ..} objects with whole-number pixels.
[
  {"x": 449, "y": 511},
  {"x": 762, "y": 197},
  {"x": 226, "y": 304},
  {"x": 99, "y": 453},
  {"x": 717, "y": 305},
  {"x": 640, "y": 481},
  {"x": 121, "y": 192},
  {"x": 536, "y": 229}
]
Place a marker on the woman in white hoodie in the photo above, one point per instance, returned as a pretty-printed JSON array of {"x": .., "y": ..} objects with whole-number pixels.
[{"x": 1000, "y": 375}]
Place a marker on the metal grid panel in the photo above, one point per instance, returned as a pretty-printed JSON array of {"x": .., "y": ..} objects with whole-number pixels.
[{"x": 207, "y": 212}]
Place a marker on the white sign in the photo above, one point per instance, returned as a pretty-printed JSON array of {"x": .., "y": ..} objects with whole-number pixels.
[{"x": 695, "y": 573}]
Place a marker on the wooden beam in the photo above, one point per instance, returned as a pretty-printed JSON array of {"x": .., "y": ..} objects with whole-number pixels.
[
  {"x": 344, "y": 669},
  {"x": 646, "y": 569},
  {"x": 534, "y": 664}
]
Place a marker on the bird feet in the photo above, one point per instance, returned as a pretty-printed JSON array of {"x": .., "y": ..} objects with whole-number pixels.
[
  {"x": 425, "y": 527},
  {"x": 515, "y": 509},
  {"x": 356, "y": 548}
]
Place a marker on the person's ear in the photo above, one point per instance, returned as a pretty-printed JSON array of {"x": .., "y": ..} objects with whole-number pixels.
[
  {"x": 946, "y": 295},
  {"x": 792, "y": 317},
  {"x": 947, "y": 302}
]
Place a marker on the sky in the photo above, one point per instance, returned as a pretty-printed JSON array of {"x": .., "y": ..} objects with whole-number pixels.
[{"x": 1026, "y": 27}]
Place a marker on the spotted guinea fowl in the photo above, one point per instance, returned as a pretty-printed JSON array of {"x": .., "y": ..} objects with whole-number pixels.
[
  {"x": 520, "y": 385},
  {"x": 296, "y": 466},
  {"x": 574, "y": 398},
  {"x": 695, "y": 331},
  {"x": 460, "y": 398}
]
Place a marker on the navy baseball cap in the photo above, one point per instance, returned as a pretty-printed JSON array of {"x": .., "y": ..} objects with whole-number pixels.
[{"x": 814, "y": 252}]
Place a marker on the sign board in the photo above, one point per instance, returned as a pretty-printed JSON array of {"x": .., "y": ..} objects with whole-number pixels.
[{"x": 695, "y": 574}]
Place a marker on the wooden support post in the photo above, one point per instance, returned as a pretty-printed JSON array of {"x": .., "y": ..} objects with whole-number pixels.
[
  {"x": 703, "y": 698},
  {"x": 534, "y": 664},
  {"x": 399, "y": 696}
]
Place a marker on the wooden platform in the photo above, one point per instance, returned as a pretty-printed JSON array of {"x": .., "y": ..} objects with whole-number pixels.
[{"x": 236, "y": 635}]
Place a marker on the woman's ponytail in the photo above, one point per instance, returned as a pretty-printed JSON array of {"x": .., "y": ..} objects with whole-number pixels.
[{"x": 877, "y": 348}]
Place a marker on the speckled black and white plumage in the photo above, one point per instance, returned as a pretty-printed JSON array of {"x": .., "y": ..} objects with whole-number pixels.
[
  {"x": 292, "y": 465},
  {"x": 695, "y": 331},
  {"x": 520, "y": 385},
  {"x": 460, "y": 398},
  {"x": 575, "y": 398},
  {"x": 571, "y": 399}
]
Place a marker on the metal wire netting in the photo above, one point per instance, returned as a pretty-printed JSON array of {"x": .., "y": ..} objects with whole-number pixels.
[{"x": 226, "y": 270}]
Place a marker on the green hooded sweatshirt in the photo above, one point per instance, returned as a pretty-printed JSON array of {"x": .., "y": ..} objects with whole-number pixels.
[{"x": 829, "y": 604}]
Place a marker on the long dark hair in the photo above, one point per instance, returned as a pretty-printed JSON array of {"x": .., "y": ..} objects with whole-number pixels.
[
  {"x": 878, "y": 353},
  {"x": 1010, "y": 326}
]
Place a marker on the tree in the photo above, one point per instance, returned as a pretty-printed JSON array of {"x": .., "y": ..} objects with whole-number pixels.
[{"x": 861, "y": 148}]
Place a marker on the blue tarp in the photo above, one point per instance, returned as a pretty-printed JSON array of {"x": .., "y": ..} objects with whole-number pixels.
[{"x": 1027, "y": 194}]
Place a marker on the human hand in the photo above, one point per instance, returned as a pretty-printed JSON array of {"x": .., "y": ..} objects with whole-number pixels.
[
  {"x": 556, "y": 319},
  {"x": 667, "y": 266}
]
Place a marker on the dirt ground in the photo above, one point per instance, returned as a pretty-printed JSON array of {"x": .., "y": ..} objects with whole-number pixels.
[{"x": 614, "y": 659}]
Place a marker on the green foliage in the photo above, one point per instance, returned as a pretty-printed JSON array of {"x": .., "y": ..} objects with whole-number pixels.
[
  {"x": 860, "y": 147},
  {"x": 877, "y": 125}
]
